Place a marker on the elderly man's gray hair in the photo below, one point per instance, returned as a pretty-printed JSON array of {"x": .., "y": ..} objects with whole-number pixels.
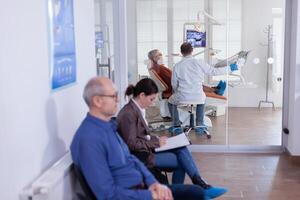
[
  {"x": 152, "y": 53},
  {"x": 92, "y": 88}
]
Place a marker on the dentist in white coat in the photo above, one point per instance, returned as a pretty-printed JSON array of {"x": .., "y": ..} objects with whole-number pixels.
[{"x": 187, "y": 79}]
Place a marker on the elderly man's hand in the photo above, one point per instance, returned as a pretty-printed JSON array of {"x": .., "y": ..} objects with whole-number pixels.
[{"x": 160, "y": 192}]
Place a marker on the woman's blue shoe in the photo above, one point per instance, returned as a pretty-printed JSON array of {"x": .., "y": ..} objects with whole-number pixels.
[{"x": 214, "y": 192}]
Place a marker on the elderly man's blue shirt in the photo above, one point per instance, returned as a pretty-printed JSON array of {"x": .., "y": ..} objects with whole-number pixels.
[{"x": 106, "y": 162}]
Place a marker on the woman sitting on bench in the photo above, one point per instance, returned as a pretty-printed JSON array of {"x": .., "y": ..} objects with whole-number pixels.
[{"x": 133, "y": 128}]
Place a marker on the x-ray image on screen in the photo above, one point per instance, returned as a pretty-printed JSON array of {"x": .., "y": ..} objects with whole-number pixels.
[{"x": 196, "y": 38}]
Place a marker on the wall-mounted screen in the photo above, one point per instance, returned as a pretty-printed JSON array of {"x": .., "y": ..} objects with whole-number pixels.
[{"x": 196, "y": 38}]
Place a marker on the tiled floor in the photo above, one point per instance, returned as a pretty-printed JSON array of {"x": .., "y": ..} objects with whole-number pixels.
[{"x": 252, "y": 176}]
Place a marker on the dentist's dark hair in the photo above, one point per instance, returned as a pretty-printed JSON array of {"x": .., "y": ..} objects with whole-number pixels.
[{"x": 186, "y": 48}]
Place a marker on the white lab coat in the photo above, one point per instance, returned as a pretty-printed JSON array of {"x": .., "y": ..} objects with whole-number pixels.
[{"x": 187, "y": 78}]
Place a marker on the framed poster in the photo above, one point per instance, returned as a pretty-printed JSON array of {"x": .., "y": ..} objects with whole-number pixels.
[{"x": 62, "y": 43}]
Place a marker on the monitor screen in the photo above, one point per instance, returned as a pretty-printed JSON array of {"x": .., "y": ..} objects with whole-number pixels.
[{"x": 196, "y": 38}]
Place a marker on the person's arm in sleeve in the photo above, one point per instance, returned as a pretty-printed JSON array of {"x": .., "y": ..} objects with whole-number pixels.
[
  {"x": 94, "y": 166},
  {"x": 162, "y": 191},
  {"x": 212, "y": 71},
  {"x": 127, "y": 128},
  {"x": 148, "y": 176}
]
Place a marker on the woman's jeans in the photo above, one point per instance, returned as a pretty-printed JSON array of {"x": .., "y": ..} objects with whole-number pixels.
[{"x": 180, "y": 160}]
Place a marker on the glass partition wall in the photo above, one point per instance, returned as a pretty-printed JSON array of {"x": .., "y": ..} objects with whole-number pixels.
[
  {"x": 244, "y": 114},
  {"x": 104, "y": 40},
  {"x": 255, "y": 115}
]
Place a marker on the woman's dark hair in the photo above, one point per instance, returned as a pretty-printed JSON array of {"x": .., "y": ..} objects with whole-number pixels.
[{"x": 146, "y": 85}]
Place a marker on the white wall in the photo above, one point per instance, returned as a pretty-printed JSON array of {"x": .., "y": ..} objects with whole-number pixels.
[
  {"x": 252, "y": 34},
  {"x": 228, "y": 44},
  {"x": 37, "y": 125},
  {"x": 151, "y": 26}
]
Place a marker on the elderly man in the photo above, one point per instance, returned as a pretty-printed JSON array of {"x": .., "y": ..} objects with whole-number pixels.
[
  {"x": 104, "y": 159},
  {"x": 187, "y": 83}
]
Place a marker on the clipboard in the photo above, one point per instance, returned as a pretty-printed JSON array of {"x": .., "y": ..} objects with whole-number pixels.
[{"x": 180, "y": 140}]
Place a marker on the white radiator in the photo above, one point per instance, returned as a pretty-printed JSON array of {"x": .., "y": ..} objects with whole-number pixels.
[{"x": 57, "y": 183}]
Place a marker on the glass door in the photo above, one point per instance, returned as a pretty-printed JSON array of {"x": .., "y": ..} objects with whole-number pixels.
[
  {"x": 255, "y": 101},
  {"x": 249, "y": 112},
  {"x": 104, "y": 37}
]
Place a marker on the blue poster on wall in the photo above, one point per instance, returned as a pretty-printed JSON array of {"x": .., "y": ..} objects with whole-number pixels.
[{"x": 62, "y": 43}]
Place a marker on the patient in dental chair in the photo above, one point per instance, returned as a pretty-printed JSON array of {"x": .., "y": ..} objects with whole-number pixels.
[{"x": 156, "y": 64}]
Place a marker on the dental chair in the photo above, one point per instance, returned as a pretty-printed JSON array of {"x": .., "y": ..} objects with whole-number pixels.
[
  {"x": 162, "y": 86},
  {"x": 166, "y": 121}
]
